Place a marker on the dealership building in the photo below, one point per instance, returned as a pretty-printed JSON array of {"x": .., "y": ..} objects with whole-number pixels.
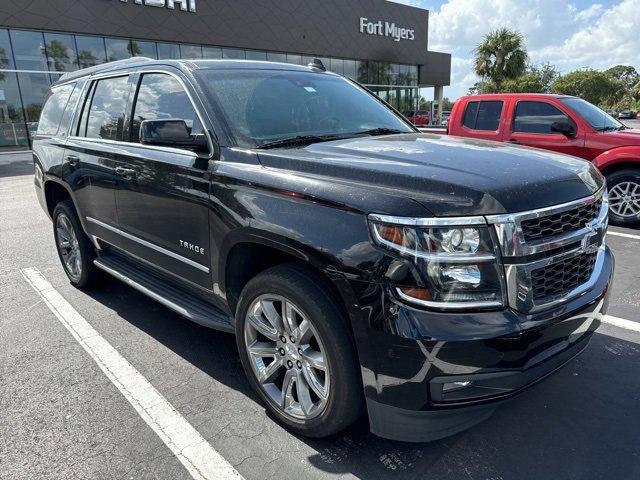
[{"x": 381, "y": 44}]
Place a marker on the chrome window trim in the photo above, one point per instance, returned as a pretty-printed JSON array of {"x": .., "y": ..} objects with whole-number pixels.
[
  {"x": 149, "y": 245},
  {"x": 428, "y": 222},
  {"x": 142, "y": 72}
]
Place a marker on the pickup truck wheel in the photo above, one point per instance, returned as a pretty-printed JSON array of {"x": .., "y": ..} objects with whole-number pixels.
[
  {"x": 74, "y": 248},
  {"x": 297, "y": 351},
  {"x": 624, "y": 198}
]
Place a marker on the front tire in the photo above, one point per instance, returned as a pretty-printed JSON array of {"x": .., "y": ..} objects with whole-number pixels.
[
  {"x": 624, "y": 198},
  {"x": 74, "y": 248},
  {"x": 297, "y": 351}
]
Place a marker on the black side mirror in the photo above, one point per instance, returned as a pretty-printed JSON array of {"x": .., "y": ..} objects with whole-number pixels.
[
  {"x": 171, "y": 133},
  {"x": 565, "y": 128}
]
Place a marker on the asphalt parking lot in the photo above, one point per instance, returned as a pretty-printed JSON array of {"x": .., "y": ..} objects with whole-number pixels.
[{"x": 61, "y": 417}]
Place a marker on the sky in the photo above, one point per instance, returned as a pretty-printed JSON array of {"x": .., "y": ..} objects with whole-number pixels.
[{"x": 569, "y": 35}]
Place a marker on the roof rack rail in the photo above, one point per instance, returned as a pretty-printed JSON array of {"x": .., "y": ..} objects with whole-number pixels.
[{"x": 102, "y": 67}]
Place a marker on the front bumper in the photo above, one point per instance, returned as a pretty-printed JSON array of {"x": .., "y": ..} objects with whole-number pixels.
[{"x": 409, "y": 355}]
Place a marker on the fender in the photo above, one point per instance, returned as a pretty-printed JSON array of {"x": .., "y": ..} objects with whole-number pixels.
[
  {"x": 618, "y": 155},
  {"x": 53, "y": 179}
]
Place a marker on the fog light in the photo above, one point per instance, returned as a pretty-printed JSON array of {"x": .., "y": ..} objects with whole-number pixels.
[{"x": 453, "y": 386}]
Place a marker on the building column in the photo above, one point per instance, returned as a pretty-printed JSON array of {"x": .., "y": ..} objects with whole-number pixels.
[{"x": 438, "y": 96}]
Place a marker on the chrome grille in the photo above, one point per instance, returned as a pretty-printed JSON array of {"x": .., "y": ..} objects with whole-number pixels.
[
  {"x": 562, "y": 277},
  {"x": 559, "y": 223},
  {"x": 552, "y": 254}
]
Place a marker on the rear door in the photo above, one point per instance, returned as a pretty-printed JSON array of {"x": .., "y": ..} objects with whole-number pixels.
[
  {"x": 163, "y": 194},
  {"x": 482, "y": 119},
  {"x": 93, "y": 152},
  {"x": 531, "y": 126}
]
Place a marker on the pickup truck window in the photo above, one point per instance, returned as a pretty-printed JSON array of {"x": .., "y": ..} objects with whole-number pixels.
[
  {"x": 107, "y": 109},
  {"x": 53, "y": 109},
  {"x": 598, "y": 119},
  {"x": 537, "y": 117},
  {"x": 263, "y": 106},
  {"x": 483, "y": 115},
  {"x": 161, "y": 96}
]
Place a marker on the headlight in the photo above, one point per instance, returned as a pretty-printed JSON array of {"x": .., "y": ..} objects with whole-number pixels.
[{"x": 455, "y": 258}]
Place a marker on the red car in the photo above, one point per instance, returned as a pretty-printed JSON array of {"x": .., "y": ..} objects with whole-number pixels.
[
  {"x": 563, "y": 124},
  {"x": 417, "y": 117}
]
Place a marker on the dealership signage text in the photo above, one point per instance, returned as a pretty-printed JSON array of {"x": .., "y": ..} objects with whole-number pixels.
[
  {"x": 386, "y": 29},
  {"x": 184, "y": 5}
]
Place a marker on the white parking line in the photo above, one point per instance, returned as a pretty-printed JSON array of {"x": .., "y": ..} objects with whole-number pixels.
[
  {"x": 625, "y": 235},
  {"x": 201, "y": 460},
  {"x": 622, "y": 323}
]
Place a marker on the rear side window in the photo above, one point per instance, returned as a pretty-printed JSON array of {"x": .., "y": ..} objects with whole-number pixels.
[
  {"x": 104, "y": 118},
  {"x": 537, "y": 117},
  {"x": 68, "y": 112},
  {"x": 161, "y": 97},
  {"x": 54, "y": 109},
  {"x": 483, "y": 115}
]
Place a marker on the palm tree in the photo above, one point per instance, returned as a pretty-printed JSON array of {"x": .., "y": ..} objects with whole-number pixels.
[{"x": 501, "y": 56}]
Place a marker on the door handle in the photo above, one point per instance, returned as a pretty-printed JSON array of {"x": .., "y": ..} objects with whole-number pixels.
[
  {"x": 125, "y": 172},
  {"x": 73, "y": 160}
]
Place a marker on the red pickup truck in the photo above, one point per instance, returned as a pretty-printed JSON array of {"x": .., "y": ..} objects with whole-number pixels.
[{"x": 563, "y": 124}]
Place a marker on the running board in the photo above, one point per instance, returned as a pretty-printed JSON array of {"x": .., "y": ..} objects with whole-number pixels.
[{"x": 171, "y": 297}]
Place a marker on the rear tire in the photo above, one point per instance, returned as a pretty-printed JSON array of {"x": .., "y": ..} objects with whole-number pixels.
[
  {"x": 74, "y": 248},
  {"x": 624, "y": 198},
  {"x": 306, "y": 360}
]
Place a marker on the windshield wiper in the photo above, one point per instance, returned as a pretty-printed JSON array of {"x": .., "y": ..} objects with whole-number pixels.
[
  {"x": 298, "y": 140},
  {"x": 610, "y": 128},
  {"x": 380, "y": 131}
]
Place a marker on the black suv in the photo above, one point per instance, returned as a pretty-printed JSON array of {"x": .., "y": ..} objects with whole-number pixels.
[{"x": 361, "y": 265}]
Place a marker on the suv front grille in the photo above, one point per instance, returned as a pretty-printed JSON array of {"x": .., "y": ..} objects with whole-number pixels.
[
  {"x": 562, "y": 277},
  {"x": 551, "y": 254},
  {"x": 559, "y": 223}
]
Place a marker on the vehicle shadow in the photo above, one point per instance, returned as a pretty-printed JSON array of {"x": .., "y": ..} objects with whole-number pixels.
[
  {"x": 581, "y": 423},
  {"x": 15, "y": 165}
]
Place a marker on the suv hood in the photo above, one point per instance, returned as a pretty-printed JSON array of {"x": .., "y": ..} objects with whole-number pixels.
[{"x": 447, "y": 175}]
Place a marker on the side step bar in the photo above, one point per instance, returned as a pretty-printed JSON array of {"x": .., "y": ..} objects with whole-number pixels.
[{"x": 171, "y": 297}]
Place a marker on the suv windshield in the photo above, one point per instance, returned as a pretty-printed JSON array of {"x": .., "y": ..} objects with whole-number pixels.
[
  {"x": 597, "y": 118},
  {"x": 270, "y": 106}
]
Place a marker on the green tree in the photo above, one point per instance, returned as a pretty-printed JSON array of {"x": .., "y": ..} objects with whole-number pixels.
[
  {"x": 527, "y": 83},
  {"x": 593, "y": 86},
  {"x": 501, "y": 55},
  {"x": 625, "y": 74},
  {"x": 57, "y": 54}
]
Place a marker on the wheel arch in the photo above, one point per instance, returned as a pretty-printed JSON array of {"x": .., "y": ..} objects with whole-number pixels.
[
  {"x": 250, "y": 255},
  {"x": 616, "y": 159}
]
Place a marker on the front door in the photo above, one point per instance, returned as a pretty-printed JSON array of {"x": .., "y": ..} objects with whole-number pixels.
[
  {"x": 163, "y": 193},
  {"x": 532, "y": 121}
]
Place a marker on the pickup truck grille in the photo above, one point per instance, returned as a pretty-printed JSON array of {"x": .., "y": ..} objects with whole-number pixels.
[
  {"x": 553, "y": 254},
  {"x": 562, "y": 277},
  {"x": 551, "y": 225}
]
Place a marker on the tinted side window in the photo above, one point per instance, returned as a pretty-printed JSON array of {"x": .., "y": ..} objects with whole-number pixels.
[
  {"x": 107, "y": 111},
  {"x": 69, "y": 111},
  {"x": 161, "y": 97},
  {"x": 537, "y": 117},
  {"x": 483, "y": 115},
  {"x": 53, "y": 110}
]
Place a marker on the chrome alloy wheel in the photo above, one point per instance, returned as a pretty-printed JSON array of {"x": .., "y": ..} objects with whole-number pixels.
[
  {"x": 68, "y": 246},
  {"x": 624, "y": 199},
  {"x": 287, "y": 356}
]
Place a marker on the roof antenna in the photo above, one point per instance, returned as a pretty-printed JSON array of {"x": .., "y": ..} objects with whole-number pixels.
[{"x": 317, "y": 64}]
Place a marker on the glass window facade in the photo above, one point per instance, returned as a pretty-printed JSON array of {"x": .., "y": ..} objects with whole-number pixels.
[{"x": 43, "y": 56}]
